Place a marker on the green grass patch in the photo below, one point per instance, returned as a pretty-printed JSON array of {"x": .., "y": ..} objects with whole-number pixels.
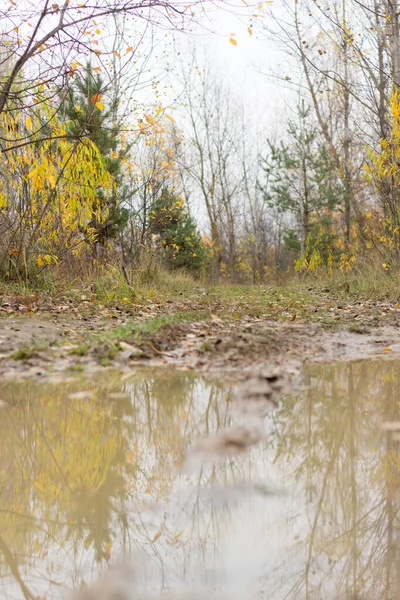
[
  {"x": 26, "y": 352},
  {"x": 80, "y": 350}
]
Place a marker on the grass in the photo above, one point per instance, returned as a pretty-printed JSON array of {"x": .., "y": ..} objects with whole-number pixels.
[
  {"x": 102, "y": 284},
  {"x": 26, "y": 352},
  {"x": 23, "y": 353},
  {"x": 138, "y": 329},
  {"x": 180, "y": 298},
  {"x": 80, "y": 350}
]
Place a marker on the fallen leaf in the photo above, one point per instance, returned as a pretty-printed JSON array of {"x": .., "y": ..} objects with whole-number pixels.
[
  {"x": 391, "y": 425},
  {"x": 233, "y": 41},
  {"x": 81, "y": 395},
  {"x": 128, "y": 350}
]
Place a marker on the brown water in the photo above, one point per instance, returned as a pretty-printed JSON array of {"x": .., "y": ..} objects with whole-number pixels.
[{"x": 90, "y": 471}]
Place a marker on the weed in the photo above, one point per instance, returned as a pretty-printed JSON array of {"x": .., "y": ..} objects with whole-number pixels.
[
  {"x": 78, "y": 367},
  {"x": 23, "y": 354},
  {"x": 80, "y": 350},
  {"x": 26, "y": 352}
]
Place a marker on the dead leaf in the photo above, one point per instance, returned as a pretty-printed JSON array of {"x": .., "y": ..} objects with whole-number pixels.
[
  {"x": 96, "y": 98},
  {"x": 128, "y": 350},
  {"x": 83, "y": 395},
  {"x": 391, "y": 426}
]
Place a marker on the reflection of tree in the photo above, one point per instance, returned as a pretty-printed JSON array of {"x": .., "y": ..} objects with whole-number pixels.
[
  {"x": 329, "y": 439},
  {"x": 83, "y": 479},
  {"x": 62, "y": 463},
  {"x": 74, "y": 471}
]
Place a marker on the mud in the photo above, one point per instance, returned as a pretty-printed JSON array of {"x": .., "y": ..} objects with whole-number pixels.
[{"x": 37, "y": 346}]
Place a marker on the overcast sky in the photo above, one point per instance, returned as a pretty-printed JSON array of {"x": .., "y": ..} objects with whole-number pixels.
[{"x": 248, "y": 69}]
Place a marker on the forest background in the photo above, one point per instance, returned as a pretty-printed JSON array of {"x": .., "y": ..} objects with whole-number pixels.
[{"x": 127, "y": 160}]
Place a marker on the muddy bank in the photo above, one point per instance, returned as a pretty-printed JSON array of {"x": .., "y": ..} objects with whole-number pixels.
[{"x": 39, "y": 346}]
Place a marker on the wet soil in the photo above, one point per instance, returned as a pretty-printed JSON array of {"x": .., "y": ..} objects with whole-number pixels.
[{"x": 54, "y": 339}]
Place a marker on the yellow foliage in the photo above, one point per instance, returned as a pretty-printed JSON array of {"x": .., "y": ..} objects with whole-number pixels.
[{"x": 60, "y": 179}]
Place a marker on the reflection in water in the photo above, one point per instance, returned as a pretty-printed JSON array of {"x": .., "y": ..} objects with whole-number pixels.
[{"x": 311, "y": 512}]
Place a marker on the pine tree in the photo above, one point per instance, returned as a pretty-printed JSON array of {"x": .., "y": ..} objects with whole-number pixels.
[
  {"x": 92, "y": 115},
  {"x": 301, "y": 182},
  {"x": 177, "y": 232}
]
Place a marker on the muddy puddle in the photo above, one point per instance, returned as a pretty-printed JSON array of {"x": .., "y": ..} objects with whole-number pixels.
[{"x": 305, "y": 506}]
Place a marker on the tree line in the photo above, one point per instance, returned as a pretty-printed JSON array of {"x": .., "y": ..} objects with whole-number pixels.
[{"x": 88, "y": 175}]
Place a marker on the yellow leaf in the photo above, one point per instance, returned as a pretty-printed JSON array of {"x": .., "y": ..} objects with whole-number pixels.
[
  {"x": 387, "y": 350},
  {"x": 233, "y": 41},
  {"x": 116, "y": 54},
  {"x": 249, "y": 29},
  {"x": 28, "y": 122},
  {"x": 38, "y": 486},
  {"x": 98, "y": 31},
  {"x": 40, "y": 263},
  {"x": 129, "y": 49},
  {"x": 156, "y": 537},
  {"x": 95, "y": 98},
  {"x": 97, "y": 69},
  {"x": 75, "y": 65},
  {"x": 100, "y": 105},
  {"x": 259, "y": 6},
  {"x": 170, "y": 118}
]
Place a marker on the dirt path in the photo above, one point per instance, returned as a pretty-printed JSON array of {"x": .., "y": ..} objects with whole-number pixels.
[{"x": 46, "y": 343}]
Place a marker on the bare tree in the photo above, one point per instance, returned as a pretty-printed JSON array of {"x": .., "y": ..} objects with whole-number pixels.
[
  {"x": 213, "y": 160},
  {"x": 43, "y": 45}
]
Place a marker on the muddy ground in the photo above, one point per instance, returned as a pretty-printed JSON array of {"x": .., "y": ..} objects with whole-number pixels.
[{"x": 40, "y": 340}]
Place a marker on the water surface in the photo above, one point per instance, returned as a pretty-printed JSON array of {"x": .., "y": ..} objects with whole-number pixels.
[{"x": 90, "y": 471}]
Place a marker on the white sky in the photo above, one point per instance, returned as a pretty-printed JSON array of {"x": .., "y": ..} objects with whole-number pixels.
[{"x": 249, "y": 69}]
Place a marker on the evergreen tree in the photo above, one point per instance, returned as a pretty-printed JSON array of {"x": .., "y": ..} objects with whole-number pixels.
[
  {"x": 93, "y": 116},
  {"x": 301, "y": 181},
  {"x": 177, "y": 232}
]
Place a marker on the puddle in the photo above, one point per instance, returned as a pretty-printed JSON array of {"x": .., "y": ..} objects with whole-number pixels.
[{"x": 92, "y": 471}]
